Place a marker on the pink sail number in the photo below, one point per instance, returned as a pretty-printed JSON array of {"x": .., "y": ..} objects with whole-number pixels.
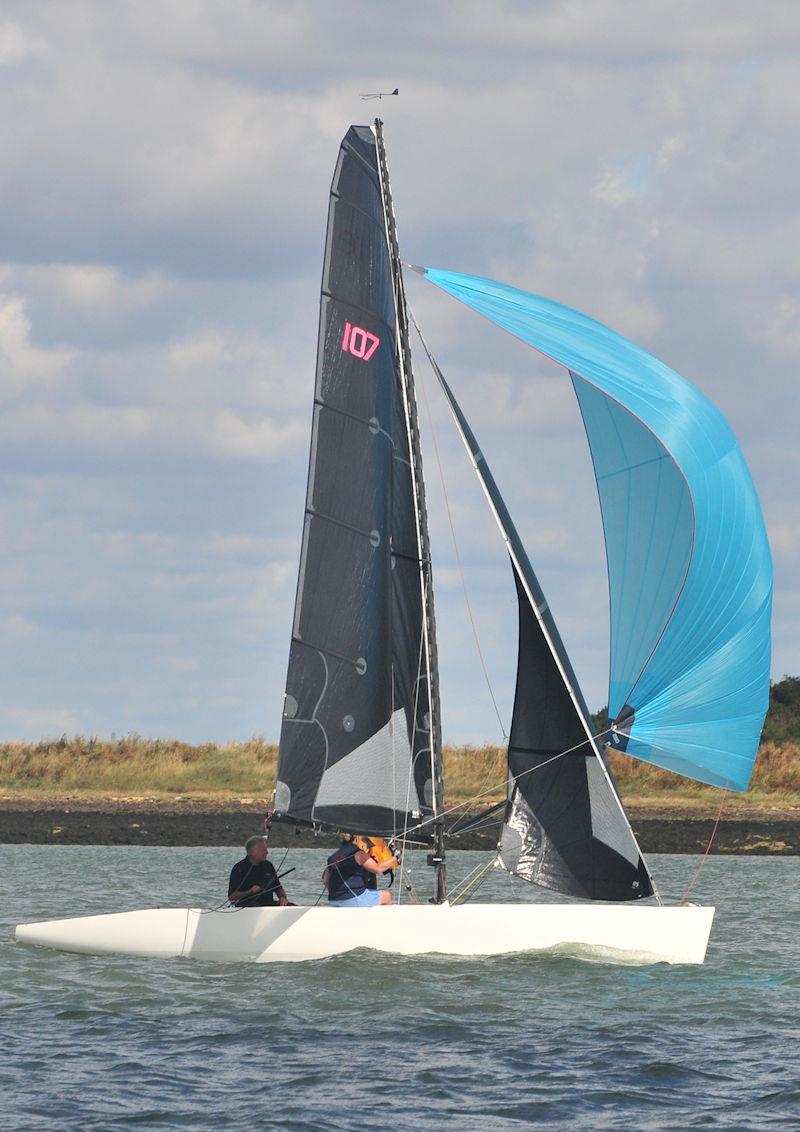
[{"x": 359, "y": 342}]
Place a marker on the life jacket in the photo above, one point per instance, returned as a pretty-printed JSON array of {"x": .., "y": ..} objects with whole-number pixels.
[
  {"x": 377, "y": 849},
  {"x": 346, "y": 877}
]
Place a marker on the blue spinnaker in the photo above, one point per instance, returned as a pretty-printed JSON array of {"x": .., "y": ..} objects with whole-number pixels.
[{"x": 690, "y": 574}]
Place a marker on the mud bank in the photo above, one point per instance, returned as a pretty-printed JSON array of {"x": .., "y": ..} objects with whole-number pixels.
[{"x": 663, "y": 831}]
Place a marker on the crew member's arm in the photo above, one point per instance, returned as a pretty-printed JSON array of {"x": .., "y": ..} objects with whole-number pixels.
[
  {"x": 235, "y": 894},
  {"x": 239, "y": 894},
  {"x": 274, "y": 885},
  {"x": 366, "y": 862},
  {"x": 326, "y": 878}
]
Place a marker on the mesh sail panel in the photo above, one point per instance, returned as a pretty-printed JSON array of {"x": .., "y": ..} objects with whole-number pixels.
[
  {"x": 564, "y": 829},
  {"x": 352, "y": 688}
]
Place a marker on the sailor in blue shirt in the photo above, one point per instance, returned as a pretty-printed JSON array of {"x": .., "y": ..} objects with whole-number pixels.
[{"x": 347, "y": 875}]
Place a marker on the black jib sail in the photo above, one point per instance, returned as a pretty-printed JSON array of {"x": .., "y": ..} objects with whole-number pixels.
[
  {"x": 355, "y": 749},
  {"x": 565, "y": 827}
]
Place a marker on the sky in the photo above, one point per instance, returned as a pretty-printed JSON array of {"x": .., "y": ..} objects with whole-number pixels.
[{"x": 164, "y": 176}]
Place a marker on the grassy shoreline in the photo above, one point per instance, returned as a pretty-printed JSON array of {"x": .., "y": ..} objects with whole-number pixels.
[{"x": 133, "y": 769}]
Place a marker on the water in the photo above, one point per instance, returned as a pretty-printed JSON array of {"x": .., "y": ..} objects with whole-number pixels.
[{"x": 364, "y": 1042}]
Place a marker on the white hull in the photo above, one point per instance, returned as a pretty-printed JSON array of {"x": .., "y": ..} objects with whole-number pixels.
[{"x": 616, "y": 933}]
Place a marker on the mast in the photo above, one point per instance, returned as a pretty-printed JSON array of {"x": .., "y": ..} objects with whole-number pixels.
[{"x": 429, "y": 660}]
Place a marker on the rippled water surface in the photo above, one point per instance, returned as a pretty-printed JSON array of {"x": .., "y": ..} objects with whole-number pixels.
[{"x": 368, "y": 1042}]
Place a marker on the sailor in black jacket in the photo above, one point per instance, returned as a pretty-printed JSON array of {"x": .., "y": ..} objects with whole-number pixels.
[{"x": 254, "y": 882}]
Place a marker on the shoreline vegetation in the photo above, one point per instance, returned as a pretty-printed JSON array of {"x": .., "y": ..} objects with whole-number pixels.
[
  {"x": 164, "y": 772},
  {"x": 134, "y": 790}
]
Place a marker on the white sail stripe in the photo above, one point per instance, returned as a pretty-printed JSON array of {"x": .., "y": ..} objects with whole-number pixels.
[{"x": 384, "y": 761}]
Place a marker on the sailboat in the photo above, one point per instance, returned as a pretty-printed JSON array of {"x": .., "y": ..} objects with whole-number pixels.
[{"x": 361, "y": 739}]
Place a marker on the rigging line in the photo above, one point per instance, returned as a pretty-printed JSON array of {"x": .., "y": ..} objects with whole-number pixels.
[
  {"x": 409, "y": 884},
  {"x": 478, "y": 823},
  {"x": 413, "y": 759},
  {"x": 464, "y": 881},
  {"x": 394, "y": 839},
  {"x": 522, "y": 774},
  {"x": 452, "y": 528},
  {"x": 704, "y": 858},
  {"x": 394, "y": 757},
  {"x": 466, "y": 822},
  {"x": 472, "y": 890},
  {"x": 227, "y": 906},
  {"x": 475, "y": 885},
  {"x": 185, "y": 933},
  {"x": 456, "y": 889},
  {"x": 487, "y": 786},
  {"x": 484, "y": 823},
  {"x": 490, "y": 788}
]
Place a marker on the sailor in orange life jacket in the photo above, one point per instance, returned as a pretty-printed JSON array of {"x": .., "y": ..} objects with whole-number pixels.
[
  {"x": 380, "y": 852},
  {"x": 349, "y": 871}
]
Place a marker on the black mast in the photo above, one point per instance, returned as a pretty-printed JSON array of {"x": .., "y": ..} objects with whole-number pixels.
[{"x": 429, "y": 662}]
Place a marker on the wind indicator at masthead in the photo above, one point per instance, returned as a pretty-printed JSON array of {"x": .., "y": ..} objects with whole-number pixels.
[{"x": 380, "y": 94}]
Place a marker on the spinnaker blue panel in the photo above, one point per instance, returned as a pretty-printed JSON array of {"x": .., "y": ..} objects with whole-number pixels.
[
  {"x": 649, "y": 528},
  {"x": 690, "y": 575}
]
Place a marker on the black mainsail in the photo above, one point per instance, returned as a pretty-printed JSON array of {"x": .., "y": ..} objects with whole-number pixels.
[
  {"x": 565, "y": 827},
  {"x": 360, "y": 741}
]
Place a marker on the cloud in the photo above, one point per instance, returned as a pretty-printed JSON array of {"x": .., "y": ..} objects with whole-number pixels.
[
  {"x": 22, "y": 363},
  {"x": 219, "y": 366},
  {"x": 16, "y": 45},
  {"x": 616, "y": 187},
  {"x": 259, "y": 439},
  {"x": 780, "y": 328},
  {"x": 75, "y": 429},
  {"x": 38, "y": 723},
  {"x": 162, "y": 213},
  {"x": 100, "y": 288}
]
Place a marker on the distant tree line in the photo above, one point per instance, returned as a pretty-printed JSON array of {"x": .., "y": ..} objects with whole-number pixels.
[
  {"x": 782, "y": 724},
  {"x": 783, "y": 718}
]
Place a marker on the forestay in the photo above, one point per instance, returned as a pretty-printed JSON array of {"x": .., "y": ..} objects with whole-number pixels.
[
  {"x": 354, "y": 748},
  {"x": 690, "y": 574}
]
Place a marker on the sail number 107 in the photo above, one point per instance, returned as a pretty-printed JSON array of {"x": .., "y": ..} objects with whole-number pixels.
[{"x": 359, "y": 342}]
